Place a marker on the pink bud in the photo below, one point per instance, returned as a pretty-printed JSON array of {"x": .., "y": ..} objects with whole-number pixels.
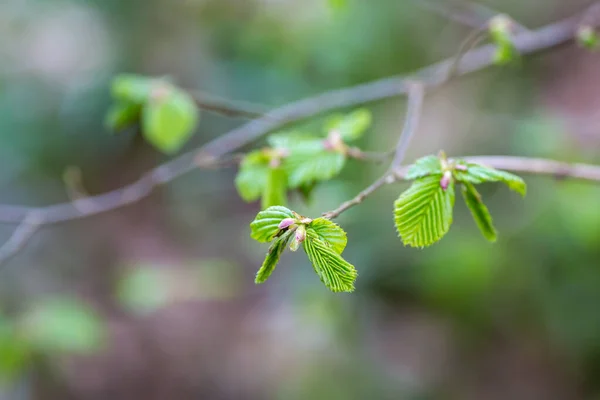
[
  {"x": 460, "y": 167},
  {"x": 286, "y": 223},
  {"x": 445, "y": 181}
]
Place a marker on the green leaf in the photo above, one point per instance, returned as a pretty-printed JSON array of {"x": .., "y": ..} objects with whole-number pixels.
[
  {"x": 429, "y": 165},
  {"x": 423, "y": 213},
  {"x": 169, "y": 119},
  {"x": 330, "y": 233},
  {"x": 479, "y": 211},
  {"x": 351, "y": 126},
  {"x": 309, "y": 167},
  {"x": 276, "y": 188},
  {"x": 253, "y": 175},
  {"x": 133, "y": 88},
  {"x": 121, "y": 115},
  {"x": 335, "y": 272},
  {"x": 478, "y": 174},
  {"x": 272, "y": 257},
  {"x": 65, "y": 325},
  {"x": 266, "y": 224}
]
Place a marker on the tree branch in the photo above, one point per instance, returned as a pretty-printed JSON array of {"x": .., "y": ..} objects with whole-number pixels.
[
  {"x": 208, "y": 155},
  {"x": 227, "y": 107},
  {"x": 435, "y": 75},
  {"x": 413, "y": 114},
  {"x": 467, "y": 13},
  {"x": 20, "y": 236},
  {"x": 525, "y": 165},
  {"x": 359, "y": 198}
]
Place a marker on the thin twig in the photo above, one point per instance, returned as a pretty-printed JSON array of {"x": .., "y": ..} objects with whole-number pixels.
[
  {"x": 523, "y": 165},
  {"x": 471, "y": 41},
  {"x": 416, "y": 93},
  {"x": 227, "y": 107},
  {"x": 526, "y": 165},
  {"x": 20, "y": 236},
  {"x": 369, "y": 156},
  {"x": 433, "y": 76},
  {"x": 466, "y": 13},
  {"x": 359, "y": 198},
  {"x": 413, "y": 114}
]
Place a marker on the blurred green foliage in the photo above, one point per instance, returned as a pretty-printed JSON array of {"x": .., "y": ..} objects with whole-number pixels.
[{"x": 55, "y": 327}]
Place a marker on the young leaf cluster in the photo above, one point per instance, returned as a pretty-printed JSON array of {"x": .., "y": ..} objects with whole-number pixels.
[
  {"x": 297, "y": 161},
  {"x": 500, "y": 32},
  {"x": 322, "y": 240},
  {"x": 587, "y": 37},
  {"x": 168, "y": 114},
  {"x": 423, "y": 213}
]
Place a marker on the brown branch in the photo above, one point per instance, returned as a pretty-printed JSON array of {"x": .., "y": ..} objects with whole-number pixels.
[
  {"x": 359, "y": 198},
  {"x": 227, "y": 107},
  {"x": 208, "y": 155},
  {"x": 537, "y": 166},
  {"x": 416, "y": 94},
  {"x": 20, "y": 236},
  {"x": 523, "y": 165},
  {"x": 413, "y": 114},
  {"x": 467, "y": 13},
  {"x": 369, "y": 156}
]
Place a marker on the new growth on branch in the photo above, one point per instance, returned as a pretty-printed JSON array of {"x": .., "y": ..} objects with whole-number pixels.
[{"x": 295, "y": 161}]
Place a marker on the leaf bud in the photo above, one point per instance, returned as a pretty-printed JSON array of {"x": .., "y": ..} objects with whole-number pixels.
[
  {"x": 286, "y": 222},
  {"x": 334, "y": 141},
  {"x": 587, "y": 37},
  {"x": 301, "y": 233},
  {"x": 446, "y": 179},
  {"x": 299, "y": 238}
]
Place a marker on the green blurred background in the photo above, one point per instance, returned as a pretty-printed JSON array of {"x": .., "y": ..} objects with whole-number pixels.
[{"x": 157, "y": 300}]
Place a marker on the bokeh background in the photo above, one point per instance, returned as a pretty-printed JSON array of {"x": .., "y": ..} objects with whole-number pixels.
[{"x": 157, "y": 300}]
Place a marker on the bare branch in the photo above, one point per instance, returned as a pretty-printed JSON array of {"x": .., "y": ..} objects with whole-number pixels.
[
  {"x": 20, "y": 236},
  {"x": 369, "y": 156},
  {"x": 472, "y": 40},
  {"x": 227, "y": 107},
  {"x": 359, "y": 198},
  {"x": 413, "y": 114},
  {"x": 432, "y": 76},
  {"x": 525, "y": 165},
  {"x": 416, "y": 94},
  {"x": 467, "y": 13}
]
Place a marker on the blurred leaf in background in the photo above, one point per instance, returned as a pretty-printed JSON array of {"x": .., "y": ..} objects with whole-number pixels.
[
  {"x": 15, "y": 352},
  {"x": 64, "y": 325},
  {"x": 144, "y": 289}
]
